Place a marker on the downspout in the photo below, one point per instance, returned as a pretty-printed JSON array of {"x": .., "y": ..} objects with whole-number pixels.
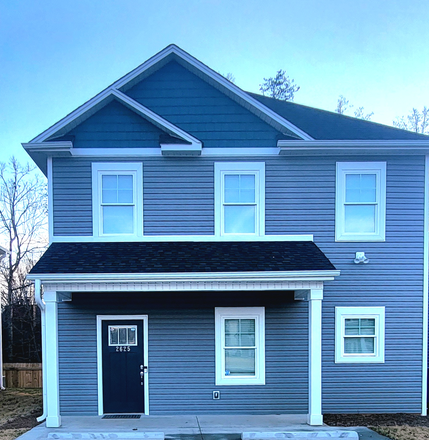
[{"x": 41, "y": 304}]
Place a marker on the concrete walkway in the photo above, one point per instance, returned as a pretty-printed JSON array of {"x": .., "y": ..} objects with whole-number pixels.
[{"x": 205, "y": 427}]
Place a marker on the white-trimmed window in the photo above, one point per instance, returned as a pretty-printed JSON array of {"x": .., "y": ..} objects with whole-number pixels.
[
  {"x": 360, "y": 201},
  {"x": 359, "y": 334},
  {"x": 240, "y": 198},
  {"x": 240, "y": 345},
  {"x": 117, "y": 199}
]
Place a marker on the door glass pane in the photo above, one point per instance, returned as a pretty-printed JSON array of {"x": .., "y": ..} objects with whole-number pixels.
[
  {"x": 360, "y": 218},
  {"x": 123, "y": 339},
  {"x": 239, "y": 219},
  {"x": 132, "y": 335},
  {"x": 118, "y": 219},
  {"x": 359, "y": 345},
  {"x": 113, "y": 336},
  {"x": 240, "y": 362}
]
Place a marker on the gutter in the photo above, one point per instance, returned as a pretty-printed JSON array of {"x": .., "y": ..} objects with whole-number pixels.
[{"x": 41, "y": 304}]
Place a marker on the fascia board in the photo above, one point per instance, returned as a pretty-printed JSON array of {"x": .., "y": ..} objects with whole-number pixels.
[
  {"x": 322, "y": 275},
  {"x": 56, "y": 148}
]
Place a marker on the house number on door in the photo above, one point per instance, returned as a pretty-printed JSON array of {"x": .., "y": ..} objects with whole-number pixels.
[{"x": 120, "y": 349}]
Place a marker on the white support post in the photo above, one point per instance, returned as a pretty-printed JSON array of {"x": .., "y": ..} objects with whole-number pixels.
[
  {"x": 53, "y": 418},
  {"x": 315, "y": 357}
]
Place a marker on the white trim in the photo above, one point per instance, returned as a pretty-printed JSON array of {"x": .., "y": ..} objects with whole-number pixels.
[
  {"x": 316, "y": 275},
  {"x": 315, "y": 357},
  {"x": 50, "y": 199},
  {"x": 100, "y": 319},
  {"x": 59, "y": 148},
  {"x": 173, "y": 238},
  {"x": 243, "y": 96},
  {"x": 53, "y": 417},
  {"x": 425, "y": 292},
  {"x": 353, "y": 147},
  {"x": 136, "y": 170},
  {"x": 180, "y": 150},
  {"x": 255, "y": 168},
  {"x": 144, "y": 152},
  {"x": 345, "y": 168},
  {"x": 256, "y": 313},
  {"x": 377, "y": 313}
]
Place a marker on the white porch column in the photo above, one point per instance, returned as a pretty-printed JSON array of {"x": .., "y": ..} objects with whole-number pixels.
[
  {"x": 53, "y": 418},
  {"x": 315, "y": 357}
]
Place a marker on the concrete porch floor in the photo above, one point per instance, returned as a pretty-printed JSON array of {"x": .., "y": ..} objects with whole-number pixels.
[{"x": 202, "y": 427}]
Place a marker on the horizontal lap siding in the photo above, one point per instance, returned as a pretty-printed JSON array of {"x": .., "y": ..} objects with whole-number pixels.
[
  {"x": 198, "y": 108},
  {"x": 182, "y": 353},
  {"x": 300, "y": 198}
]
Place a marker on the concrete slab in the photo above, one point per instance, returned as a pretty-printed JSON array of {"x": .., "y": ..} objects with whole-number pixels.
[{"x": 316, "y": 434}]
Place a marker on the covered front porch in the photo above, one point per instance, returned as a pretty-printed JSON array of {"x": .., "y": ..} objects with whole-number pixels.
[{"x": 75, "y": 304}]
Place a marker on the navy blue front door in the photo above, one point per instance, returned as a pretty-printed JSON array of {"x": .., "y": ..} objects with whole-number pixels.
[{"x": 123, "y": 366}]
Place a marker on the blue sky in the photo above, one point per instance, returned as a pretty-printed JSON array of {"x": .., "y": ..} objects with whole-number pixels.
[{"x": 55, "y": 55}]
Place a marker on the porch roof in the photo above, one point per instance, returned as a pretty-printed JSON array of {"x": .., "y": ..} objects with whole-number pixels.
[{"x": 181, "y": 257}]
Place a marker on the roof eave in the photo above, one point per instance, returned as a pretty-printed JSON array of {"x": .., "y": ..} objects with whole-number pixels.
[{"x": 353, "y": 147}]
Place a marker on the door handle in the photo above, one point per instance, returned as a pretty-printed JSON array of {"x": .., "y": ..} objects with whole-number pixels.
[{"x": 141, "y": 374}]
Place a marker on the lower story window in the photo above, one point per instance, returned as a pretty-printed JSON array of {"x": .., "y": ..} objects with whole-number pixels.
[
  {"x": 359, "y": 334},
  {"x": 240, "y": 345}
]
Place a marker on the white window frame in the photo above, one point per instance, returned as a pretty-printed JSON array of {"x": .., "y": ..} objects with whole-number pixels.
[
  {"x": 99, "y": 170},
  {"x": 343, "y": 313},
  {"x": 253, "y": 168},
  {"x": 345, "y": 168},
  {"x": 256, "y": 313}
]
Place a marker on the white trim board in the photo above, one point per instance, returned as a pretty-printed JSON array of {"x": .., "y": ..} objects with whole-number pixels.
[
  {"x": 242, "y": 97},
  {"x": 425, "y": 310},
  {"x": 173, "y": 238},
  {"x": 100, "y": 319}
]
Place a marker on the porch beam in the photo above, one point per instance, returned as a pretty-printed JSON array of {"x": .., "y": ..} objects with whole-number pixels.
[
  {"x": 315, "y": 357},
  {"x": 53, "y": 417}
]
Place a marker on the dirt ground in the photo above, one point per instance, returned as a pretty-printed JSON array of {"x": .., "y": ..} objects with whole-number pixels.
[
  {"x": 19, "y": 408},
  {"x": 394, "y": 426}
]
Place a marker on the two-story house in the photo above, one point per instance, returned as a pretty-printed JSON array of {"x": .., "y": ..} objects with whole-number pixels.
[{"x": 215, "y": 251}]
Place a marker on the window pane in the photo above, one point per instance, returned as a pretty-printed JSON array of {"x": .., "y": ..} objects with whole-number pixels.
[
  {"x": 132, "y": 335},
  {"x": 352, "y": 326},
  {"x": 361, "y": 188},
  {"x": 110, "y": 181},
  {"x": 109, "y": 189},
  {"x": 360, "y": 218},
  {"x": 239, "y": 188},
  {"x": 123, "y": 336},
  {"x": 239, "y": 219},
  {"x": 367, "y": 326},
  {"x": 239, "y": 332},
  {"x": 113, "y": 336},
  {"x": 240, "y": 362},
  {"x": 118, "y": 219},
  {"x": 359, "y": 345}
]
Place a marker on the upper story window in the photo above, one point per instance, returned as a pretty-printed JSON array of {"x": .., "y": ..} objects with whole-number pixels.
[
  {"x": 240, "y": 198},
  {"x": 117, "y": 199},
  {"x": 360, "y": 201}
]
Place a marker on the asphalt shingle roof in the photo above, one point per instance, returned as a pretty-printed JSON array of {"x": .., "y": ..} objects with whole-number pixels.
[
  {"x": 181, "y": 257},
  {"x": 325, "y": 125}
]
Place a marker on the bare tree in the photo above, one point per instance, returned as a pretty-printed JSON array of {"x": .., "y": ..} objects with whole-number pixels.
[
  {"x": 280, "y": 87},
  {"x": 23, "y": 220},
  {"x": 343, "y": 104},
  {"x": 415, "y": 121}
]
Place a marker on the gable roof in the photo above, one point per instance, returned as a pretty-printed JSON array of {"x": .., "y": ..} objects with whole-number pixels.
[
  {"x": 326, "y": 125},
  {"x": 181, "y": 257},
  {"x": 173, "y": 52}
]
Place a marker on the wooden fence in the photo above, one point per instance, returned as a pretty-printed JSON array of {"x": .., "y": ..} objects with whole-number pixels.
[{"x": 23, "y": 375}]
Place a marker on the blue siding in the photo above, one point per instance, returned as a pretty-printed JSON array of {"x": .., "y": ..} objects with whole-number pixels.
[
  {"x": 115, "y": 126},
  {"x": 198, "y": 108},
  {"x": 182, "y": 353}
]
